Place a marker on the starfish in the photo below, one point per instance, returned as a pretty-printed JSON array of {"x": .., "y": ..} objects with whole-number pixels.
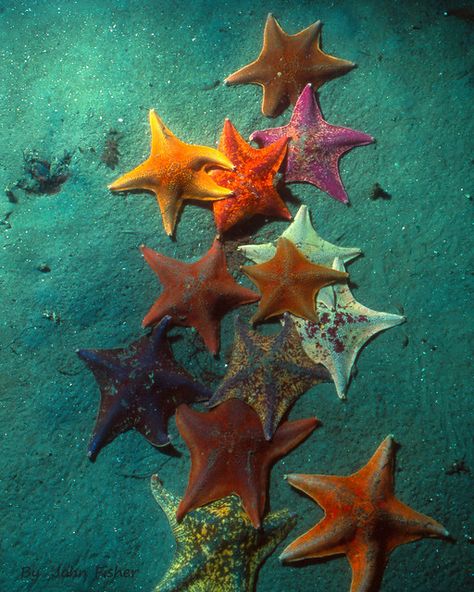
[
  {"x": 217, "y": 549},
  {"x": 315, "y": 146},
  {"x": 251, "y": 182},
  {"x": 174, "y": 172},
  {"x": 140, "y": 387},
  {"x": 303, "y": 235},
  {"x": 229, "y": 454},
  {"x": 196, "y": 294},
  {"x": 268, "y": 372},
  {"x": 343, "y": 327},
  {"x": 363, "y": 519},
  {"x": 289, "y": 282},
  {"x": 286, "y": 63}
]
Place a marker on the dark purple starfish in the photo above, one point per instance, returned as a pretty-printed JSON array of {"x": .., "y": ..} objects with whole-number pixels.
[{"x": 140, "y": 388}]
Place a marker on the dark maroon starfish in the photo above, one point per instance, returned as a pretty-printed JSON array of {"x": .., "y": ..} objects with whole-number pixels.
[{"x": 140, "y": 388}]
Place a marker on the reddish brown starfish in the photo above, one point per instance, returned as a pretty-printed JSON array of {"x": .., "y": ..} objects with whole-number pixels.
[{"x": 229, "y": 454}]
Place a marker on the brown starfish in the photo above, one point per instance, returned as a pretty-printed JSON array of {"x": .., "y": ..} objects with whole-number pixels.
[{"x": 286, "y": 64}]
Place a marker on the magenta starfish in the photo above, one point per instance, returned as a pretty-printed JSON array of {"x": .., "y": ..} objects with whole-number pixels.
[{"x": 315, "y": 146}]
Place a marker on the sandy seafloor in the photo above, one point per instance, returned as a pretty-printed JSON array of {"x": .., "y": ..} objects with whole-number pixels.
[{"x": 70, "y": 71}]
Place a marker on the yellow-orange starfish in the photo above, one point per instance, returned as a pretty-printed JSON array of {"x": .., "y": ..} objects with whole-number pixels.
[{"x": 175, "y": 171}]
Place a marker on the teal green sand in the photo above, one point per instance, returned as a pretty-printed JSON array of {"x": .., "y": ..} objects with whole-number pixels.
[{"x": 77, "y": 83}]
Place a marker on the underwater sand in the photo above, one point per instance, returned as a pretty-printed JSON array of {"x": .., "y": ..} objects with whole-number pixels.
[{"x": 69, "y": 72}]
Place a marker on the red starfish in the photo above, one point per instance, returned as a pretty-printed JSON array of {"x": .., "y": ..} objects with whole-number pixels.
[
  {"x": 251, "y": 181},
  {"x": 364, "y": 520},
  {"x": 196, "y": 294},
  {"x": 229, "y": 454}
]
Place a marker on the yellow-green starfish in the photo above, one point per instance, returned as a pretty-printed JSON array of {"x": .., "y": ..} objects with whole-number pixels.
[{"x": 217, "y": 548}]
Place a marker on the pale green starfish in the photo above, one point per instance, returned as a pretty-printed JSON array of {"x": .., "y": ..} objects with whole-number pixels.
[
  {"x": 302, "y": 233},
  {"x": 217, "y": 548}
]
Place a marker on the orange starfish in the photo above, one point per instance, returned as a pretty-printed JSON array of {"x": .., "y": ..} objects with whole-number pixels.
[
  {"x": 289, "y": 282},
  {"x": 251, "y": 182},
  {"x": 363, "y": 519},
  {"x": 175, "y": 171},
  {"x": 286, "y": 64}
]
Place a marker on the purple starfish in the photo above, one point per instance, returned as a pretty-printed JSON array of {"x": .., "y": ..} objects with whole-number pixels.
[
  {"x": 315, "y": 146},
  {"x": 140, "y": 387}
]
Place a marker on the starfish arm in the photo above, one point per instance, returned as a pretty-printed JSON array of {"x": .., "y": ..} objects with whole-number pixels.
[
  {"x": 333, "y": 68},
  {"x": 290, "y": 434},
  {"x": 160, "y": 308},
  {"x": 345, "y": 138},
  {"x": 166, "y": 268},
  {"x": 269, "y": 136},
  {"x": 301, "y": 302},
  {"x": 275, "y": 99},
  {"x": 104, "y": 365},
  {"x": 273, "y": 34},
  {"x": 203, "y": 187},
  {"x": 325, "y": 539},
  {"x": 157, "y": 340},
  {"x": 276, "y": 527},
  {"x": 249, "y": 74},
  {"x": 209, "y": 157},
  {"x": 160, "y": 134},
  {"x": 109, "y": 424},
  {"x": 170, "y": 204},
  {"x": 378, "y": 472},
  {"x": 301, "y": 230},
  {"x": 271, "y": 304},
  {"x": 151, "y": 423},
  {"x": 327, "y": 491},
  {"x": 203, "y": 472},
  {"x": 167, "y": 501},
  {"x": 271, "y": 157},
  {"x": 255, "y": 72},
  {"x": 252, "y": 491},
  {"x": 309, "y": 37},
  {"x": 258, "y": 253},
  {"x": 406, "y": 525},
  {"x": 141, "y": 177},
  {"x": 208, "y": 328},
  {"x": 367, "y": 560}
]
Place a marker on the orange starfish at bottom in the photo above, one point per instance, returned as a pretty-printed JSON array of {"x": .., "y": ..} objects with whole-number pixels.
[{"x": 364, "y": 520}]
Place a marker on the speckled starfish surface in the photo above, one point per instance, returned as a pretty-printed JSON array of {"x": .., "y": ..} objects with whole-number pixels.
[
  {"x": 286, "y": 63},
  {"x": 268, "y": 372},
  {"x": 342, "y": 329},
  {"x": 217, "y": 548},
  {"x": 175, "y": 172},
  {"x": 196, "y": 294},
  {"x": 251, "y": 182},
  {"x": 315, "y": 146},
  {"x": 140, "y": 387},
  {"x": 363, "y": 519},
  {"x": 302, "y": 234}
]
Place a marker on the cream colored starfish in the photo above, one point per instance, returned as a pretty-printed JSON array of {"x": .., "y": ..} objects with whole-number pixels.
[
  {"x": 344, "y": 327},
  {"x": 302, "y": 233}
]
